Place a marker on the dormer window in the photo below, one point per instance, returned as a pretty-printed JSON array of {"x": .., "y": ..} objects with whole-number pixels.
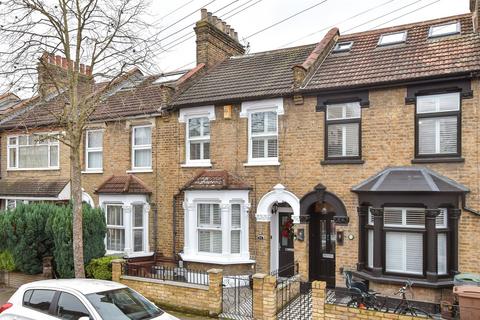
[
  {"x": 444, "y": 29},
  {"x": 392, "y": 38},
  {"x": 343, "y": 46}
]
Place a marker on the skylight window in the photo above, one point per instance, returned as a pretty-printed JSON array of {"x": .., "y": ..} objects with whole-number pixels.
[
  {"x": 392, "y": 38},
  {"x": 343, "y": 46},
  {"x": 444, "y": 29}
]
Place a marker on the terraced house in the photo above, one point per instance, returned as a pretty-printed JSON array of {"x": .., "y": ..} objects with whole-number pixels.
[{"x": 360, "y": 153}]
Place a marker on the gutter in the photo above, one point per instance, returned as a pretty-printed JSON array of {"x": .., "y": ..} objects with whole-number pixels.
[{"x": 466, "y": 208}]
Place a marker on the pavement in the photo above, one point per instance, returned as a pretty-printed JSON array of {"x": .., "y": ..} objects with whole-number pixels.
[{"x": 5, "y": 294}]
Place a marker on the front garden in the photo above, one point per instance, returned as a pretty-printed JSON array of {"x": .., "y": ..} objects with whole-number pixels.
[{"x": 32, "y": 235}]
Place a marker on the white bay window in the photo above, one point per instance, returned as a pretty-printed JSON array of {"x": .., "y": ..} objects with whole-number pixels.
[
  {"x": 216, "y": 226},
  {"x": 127, "y": 224},
  {"x": 33, "y": 152}
]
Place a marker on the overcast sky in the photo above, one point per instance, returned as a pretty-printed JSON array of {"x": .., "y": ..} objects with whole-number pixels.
[{"x": 307, "y": 27}]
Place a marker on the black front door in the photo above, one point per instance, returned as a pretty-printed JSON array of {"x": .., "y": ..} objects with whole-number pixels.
[
  {"x": 322, "y": 248},
  {"x": 285, "y": 237}
]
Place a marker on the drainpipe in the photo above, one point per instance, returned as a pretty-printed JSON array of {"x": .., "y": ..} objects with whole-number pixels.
[
  {"x": 466, "y": 208},
  {"x": 155, "y": 225},
  {"x": 174, "y": 218}
]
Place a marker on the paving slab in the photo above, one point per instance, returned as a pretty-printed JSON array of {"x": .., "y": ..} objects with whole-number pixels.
[{"x": 5, "y": 294}]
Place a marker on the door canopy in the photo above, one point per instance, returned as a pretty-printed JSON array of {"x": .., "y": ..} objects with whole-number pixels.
[
  {"x": 278, "y": 195},
  {"x": 320, "y": 194}
]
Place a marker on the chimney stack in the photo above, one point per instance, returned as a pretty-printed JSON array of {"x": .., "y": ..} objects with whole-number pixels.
[
  {"x": 216, "y": 40},
  {"x": 52, "y": 73},
  {"x": 475, "y": 10}
]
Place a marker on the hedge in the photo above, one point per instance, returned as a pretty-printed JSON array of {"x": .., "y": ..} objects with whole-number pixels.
[
  {"x": 34, "y": 231},
  {"x": 6, "y": 261},
  {"x": 100, "y": 268}
]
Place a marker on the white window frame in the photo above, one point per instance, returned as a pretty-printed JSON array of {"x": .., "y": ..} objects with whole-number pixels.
[
  {"x": 431, "y": 30},
  {"x": 15, "y": 203},
  {"x": 404, "y": 218},
  {"x": 343, "y": 122},
  {"x": 382, "y": 38},
  {"x": 225, "y": 199},
  {"x": 94, "y": 149},
  {"x": 239, "y": 228},
  {"x": 17, "y": 147},
  {"x": 202, "y": 162},
  {"x": 209, "y": 227},
  {"x": 115, "y": 226},
  {"x": 143, "y": 227},
  {"x": 141, "y": 147},
  {"x": 268, "y": 105},
  {"x": 127, "y": 202},
  {"x": 185, "y": 115}
]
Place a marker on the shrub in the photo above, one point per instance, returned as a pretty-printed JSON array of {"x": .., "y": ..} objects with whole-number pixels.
[
  {"x": 60, "y": 229},
  {"x": 100, "y": 268},
  {"x": 24, "y": 235},
  {"x": 6, "y": 261}
]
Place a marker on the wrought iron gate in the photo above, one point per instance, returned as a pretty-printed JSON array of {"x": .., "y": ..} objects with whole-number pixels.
[
  {"x": 237, "y": 297},
  {"x": 294, "y": 299}
]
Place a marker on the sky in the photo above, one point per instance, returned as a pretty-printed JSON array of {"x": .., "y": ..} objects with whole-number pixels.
[{"x": 172, "y": 21}]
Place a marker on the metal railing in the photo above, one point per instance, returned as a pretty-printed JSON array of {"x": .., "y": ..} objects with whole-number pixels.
[
  {"x": 287, "y": 271},
  {"x": 166, "y": 273}
]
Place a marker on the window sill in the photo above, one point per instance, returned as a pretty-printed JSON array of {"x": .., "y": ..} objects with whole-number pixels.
[
  {"x": 342, "y": 161},
  {"x": 260, "y": 164},
  {"x": 92, "y": 171},
  {"x": 139, "y": 254},
  {"x": 439, "y": 160},
  {"x": 398, "y": 280},
  {"x": 140, "y": 171},
  {"x": 220, "y": 259},
  {"x": 196, "y": 165},
  {"x": 33, "y": 169}
]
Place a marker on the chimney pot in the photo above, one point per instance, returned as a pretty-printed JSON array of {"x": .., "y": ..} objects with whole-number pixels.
[
  {"x": 58, "y": 60},
  {"x": 64, "y": 63},
  {"x": 235, "y": 35},
  {"x": 209, "y": 17},
  {"x": 88, "y": 70},
  {"x": 227, "y": 29},
  {"x": 203, "y": 14},
  {"x": 224, "y": 26},
  {"x": 51, "y": 59},
  {"x": 82, "y": 68}
]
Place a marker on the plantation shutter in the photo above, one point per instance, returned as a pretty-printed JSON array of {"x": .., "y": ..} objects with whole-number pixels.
[
  {"x": 209, "y": 224},
  {"x": 404, "y": 252},
  {"x": 235, "y": 231},
  {"x": 343, "y": 140}
]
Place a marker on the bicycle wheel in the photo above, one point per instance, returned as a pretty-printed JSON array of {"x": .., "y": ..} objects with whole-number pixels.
[{"x": 417, "y": 312}]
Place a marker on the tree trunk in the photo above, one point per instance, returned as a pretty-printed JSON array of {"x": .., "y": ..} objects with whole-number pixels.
[{"x": 76, "y": 192}]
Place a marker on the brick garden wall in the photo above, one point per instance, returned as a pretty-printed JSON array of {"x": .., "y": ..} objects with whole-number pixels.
[{"x": 186, "y": 297}]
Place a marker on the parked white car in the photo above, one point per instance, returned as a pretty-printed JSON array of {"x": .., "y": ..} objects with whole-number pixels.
[{"x": 79, "y": 299}]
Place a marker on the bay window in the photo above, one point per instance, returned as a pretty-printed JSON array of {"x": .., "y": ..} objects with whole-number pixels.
[
  {"x": 343, "y": 131},
  {"x": 142, "y": 148},
  {"x": 127, "y": 224},
  {"x": 216, "y": 227},
  {"x": 198, "y": 140},
  {"x": 33, "y": 152},
  {"x": 438, "y": 125},
  {"x": 94, "y": 150}
]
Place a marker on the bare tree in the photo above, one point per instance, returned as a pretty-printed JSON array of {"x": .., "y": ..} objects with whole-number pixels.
[{"x": 108, "y": 36}]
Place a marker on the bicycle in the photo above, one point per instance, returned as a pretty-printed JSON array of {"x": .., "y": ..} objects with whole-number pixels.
[
  {"x": 360, "y": 296},
  {"x": 405, "y": 307}
]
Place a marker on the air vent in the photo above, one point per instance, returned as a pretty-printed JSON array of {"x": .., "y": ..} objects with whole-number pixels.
[
  {"x": 443, "y": 30},
  {"x": 392, "y": 38}
]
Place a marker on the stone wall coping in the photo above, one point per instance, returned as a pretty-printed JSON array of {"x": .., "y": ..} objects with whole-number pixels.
[
  {"x": 259, "y": 276},
  {"x": 118, "y": 261},
  {"x": 167, "y": 282},
  {"x": 319, "y": 284},
  {"x": 214, "y": 271}
]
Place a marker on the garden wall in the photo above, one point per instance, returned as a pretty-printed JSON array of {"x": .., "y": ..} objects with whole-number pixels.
[{"x": 186, "y": 297}]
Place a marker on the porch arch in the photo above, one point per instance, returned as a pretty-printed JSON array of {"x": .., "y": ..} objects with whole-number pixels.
[
  {"x": 278, "y": 195},
  {"x": 319, "y": 194}
]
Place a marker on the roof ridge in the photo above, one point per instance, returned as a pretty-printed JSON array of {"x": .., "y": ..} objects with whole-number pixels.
[{"x": 303, "y": 46}]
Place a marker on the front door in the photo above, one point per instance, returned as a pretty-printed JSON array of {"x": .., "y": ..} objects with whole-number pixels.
[
  {"x": 286, "y": 266},
  {"x": 322, "y": 248}
]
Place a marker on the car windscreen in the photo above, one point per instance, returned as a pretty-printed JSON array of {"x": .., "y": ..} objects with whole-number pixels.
[{"x": 123, "y": 304}]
